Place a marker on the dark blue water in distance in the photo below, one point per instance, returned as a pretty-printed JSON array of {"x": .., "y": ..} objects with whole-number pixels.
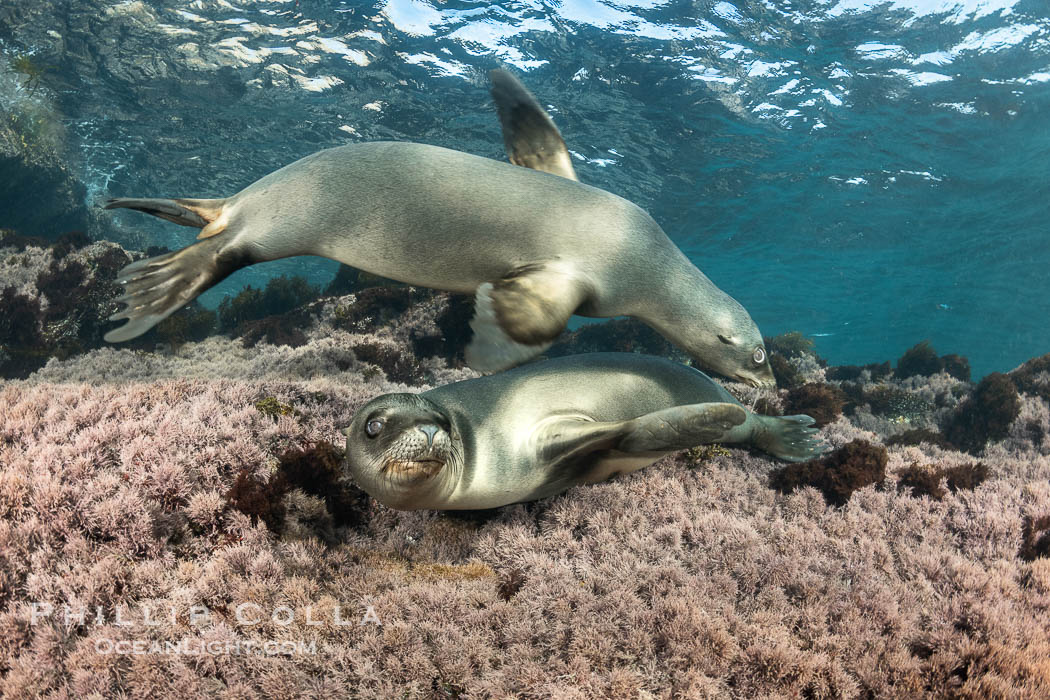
[{"x": 869, "y": 172}]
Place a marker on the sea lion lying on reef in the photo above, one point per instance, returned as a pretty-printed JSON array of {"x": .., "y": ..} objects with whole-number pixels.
[{"x": 538, "y": 430}]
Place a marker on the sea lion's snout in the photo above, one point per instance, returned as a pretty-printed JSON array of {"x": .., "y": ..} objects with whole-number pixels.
[
  {"x": 754, "y": 369},
  {"x": 418, "y": 453}
]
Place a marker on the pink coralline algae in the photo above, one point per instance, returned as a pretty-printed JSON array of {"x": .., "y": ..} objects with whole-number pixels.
[{"x": 162, "y": 515}]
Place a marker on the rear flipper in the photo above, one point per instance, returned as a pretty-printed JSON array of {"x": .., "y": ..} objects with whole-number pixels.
[
  {"x": 198, "y": 213},
  {"x": 155, "y": 288},
  {"x": 792, "y": 438}
]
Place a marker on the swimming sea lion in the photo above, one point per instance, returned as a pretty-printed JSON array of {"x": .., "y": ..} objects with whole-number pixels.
[
  {"x": 538, "y": 430},
  {"x": 533, "y": 248}
]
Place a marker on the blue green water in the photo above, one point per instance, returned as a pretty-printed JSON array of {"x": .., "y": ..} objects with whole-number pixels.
[{"x": 871, "y": 173}]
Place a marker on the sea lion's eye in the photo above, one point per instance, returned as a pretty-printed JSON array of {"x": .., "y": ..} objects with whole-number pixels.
[
  {"x": 760, "y": 356},
  {"x": 373, "y": 428}
]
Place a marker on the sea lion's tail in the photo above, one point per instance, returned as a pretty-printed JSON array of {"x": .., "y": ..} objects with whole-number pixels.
[
  {"x": 155, "y": 288},
  {"x": 198, "y": 213}
]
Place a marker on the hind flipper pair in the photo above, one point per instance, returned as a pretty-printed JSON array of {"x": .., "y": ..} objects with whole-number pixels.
[{"x": 157, "y": 287}]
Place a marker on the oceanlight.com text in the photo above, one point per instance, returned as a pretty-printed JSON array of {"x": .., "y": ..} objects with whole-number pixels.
[{"x": 195, "y": 647}]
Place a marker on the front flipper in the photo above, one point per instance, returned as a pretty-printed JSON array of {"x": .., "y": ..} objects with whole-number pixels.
[
  {"x": 667, "y": 430},
  {"x": 578, "y": 450},
  {"x": 529, "y": 134},
  {"x": 518, "y": 316}
]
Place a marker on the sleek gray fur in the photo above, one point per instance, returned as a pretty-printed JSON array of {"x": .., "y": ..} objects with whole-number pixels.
[
  {"x": 538, "y": 430},
  {"x": 439, "y": 218}
]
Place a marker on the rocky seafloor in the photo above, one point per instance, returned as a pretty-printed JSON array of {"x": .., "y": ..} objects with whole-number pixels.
[{"x": 158, "y": 488}]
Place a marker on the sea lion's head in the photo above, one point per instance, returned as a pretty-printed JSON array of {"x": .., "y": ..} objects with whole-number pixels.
[
  {"x": 402, "y": 450},
  {"x": 729, "y": 343}
]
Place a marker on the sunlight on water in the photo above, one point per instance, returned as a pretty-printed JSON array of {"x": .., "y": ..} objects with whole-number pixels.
[{"x": 870, "y": 172}]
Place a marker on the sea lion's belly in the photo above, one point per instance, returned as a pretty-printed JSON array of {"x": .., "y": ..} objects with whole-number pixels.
[{"x": 614, "y": 463}]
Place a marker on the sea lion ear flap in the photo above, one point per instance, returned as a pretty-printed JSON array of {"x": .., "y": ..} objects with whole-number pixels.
[
  {"x": 529, "y": 134},
  {"x": 518, "y": 316}
]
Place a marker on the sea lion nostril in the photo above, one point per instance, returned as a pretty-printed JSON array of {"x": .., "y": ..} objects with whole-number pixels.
[{"x": 430, "y": 431}]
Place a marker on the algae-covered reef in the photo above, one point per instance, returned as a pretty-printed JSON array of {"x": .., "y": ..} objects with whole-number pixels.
[
  {"x": 196, "y": 477},
  {"x": 58, "y": 297}
]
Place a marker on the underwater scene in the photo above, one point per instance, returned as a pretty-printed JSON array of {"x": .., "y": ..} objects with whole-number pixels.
[{"x": 539, "y": 349}]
